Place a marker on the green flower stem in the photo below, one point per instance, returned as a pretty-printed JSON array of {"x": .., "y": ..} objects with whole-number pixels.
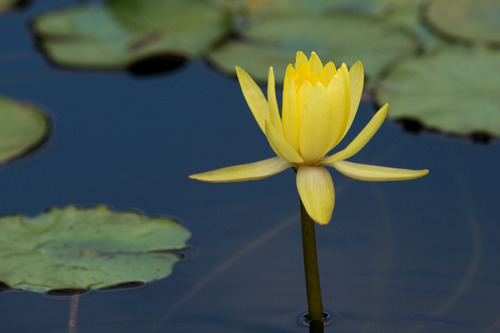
[{"x": 314, "y": 302}]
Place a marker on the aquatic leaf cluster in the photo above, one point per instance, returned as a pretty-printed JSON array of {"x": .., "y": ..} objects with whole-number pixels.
[
  {"x": 79, "y": 248},
  {"x": 450, "y": 85},
  {"x": 72, "y": 248},
  {"x": 396, "y": 40}
]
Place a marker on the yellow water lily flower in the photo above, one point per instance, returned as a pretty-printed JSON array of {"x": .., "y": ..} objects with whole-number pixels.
[{"x": 319, "y": 105}]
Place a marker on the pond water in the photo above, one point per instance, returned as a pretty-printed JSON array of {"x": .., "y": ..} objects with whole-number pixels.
[{"x": 417, "y": 256}]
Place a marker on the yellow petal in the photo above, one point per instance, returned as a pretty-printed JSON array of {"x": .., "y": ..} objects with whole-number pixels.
[
  {"x": 315, "y": 187},
  {"x": 300, "y": 59},
  {"x": 313, "y": 78},
  {"x": 254, "y": 97},
  {"x": 244, "y": 172},
  {"x": 375, "y": 173},
  {"x": 328, "y": 72},
  {"x": 356, "y": 81},
  {"x": 338, "y": 92},
  {"x": 290, "y": 110},
  {"x": 303, "y": 94},
  {"x": 302, "y": 73},
  {"x": 316, "y": 65},
  {"x": 314, "y": 125},
  {"x": 281, "y": 146},
  {"x": 362, "y": 139},
  {"x": 274, "y": 113}
]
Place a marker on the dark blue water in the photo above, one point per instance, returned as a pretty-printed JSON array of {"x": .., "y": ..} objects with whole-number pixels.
[{"x": 416, "y": 256}]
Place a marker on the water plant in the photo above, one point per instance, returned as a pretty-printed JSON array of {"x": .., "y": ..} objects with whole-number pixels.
[{"x": 318, "y": 108}]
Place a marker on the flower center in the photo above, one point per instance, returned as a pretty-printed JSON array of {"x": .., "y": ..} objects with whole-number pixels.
[{"x": 301, "y": 76}]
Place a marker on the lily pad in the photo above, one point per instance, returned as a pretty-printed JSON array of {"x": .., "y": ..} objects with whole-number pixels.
[
  {"x": 343, "y": 38},
  {"x": 23, "y": 126},
  {"x": 76, "y": 248},
  {"x": 454, "y": 91},
  {"x": 119, "y": 33},
  {"x": 476, "y": 21}
]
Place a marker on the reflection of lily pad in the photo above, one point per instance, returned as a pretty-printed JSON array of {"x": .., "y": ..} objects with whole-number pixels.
[
  {"x": 121, "y": 32},
  {"x": 471, "y": 20},
  {"x": 86, "y": 248},
  {"x": 340, "y": 38},
  {"x": 22, "y": 127},
  {"x": 454, "y": 91}
]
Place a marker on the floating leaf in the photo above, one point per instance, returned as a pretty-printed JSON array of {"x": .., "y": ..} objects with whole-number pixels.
[
  {"x": 120, "y": 33},
  {"x": 340, "y": 38},
  {"x": 74, "y": 248},
  {"x": 471, "y": 20},
  {"x": 22, "y": 127},
  {"x": 454, "y": 91}
]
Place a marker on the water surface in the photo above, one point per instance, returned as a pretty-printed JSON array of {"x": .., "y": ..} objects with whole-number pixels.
[{"x": 417, "y": 256}]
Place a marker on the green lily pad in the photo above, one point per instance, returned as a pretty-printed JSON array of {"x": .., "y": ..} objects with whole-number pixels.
[
  {"x": 454, "y": 91},
  {"x": 346, "y": 39},
  {"x": 475, "y": 21},
  {"x": 23, "y": 126},
  {"x": 119, "y": 33},
  {"x": 75, "y": 248}
]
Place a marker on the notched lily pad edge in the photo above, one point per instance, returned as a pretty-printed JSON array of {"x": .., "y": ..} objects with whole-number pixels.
[
  {"x": 181, "y": 253},
  {"x": 160, "y": 62}
]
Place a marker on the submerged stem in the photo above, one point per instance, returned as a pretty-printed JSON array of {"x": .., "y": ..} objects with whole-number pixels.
[
  {"x": 314, "y": 302},
  {"x": 73, "y": 311},
  {"x": 316, "y": 326}
]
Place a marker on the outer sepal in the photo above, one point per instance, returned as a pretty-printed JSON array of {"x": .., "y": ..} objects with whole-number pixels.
[
  {"x": 316, "y": 191},
  {"x": 361, "y": 139},
  {"x": 244, "y": 172},
  {"x": 374, "y": 173}
]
